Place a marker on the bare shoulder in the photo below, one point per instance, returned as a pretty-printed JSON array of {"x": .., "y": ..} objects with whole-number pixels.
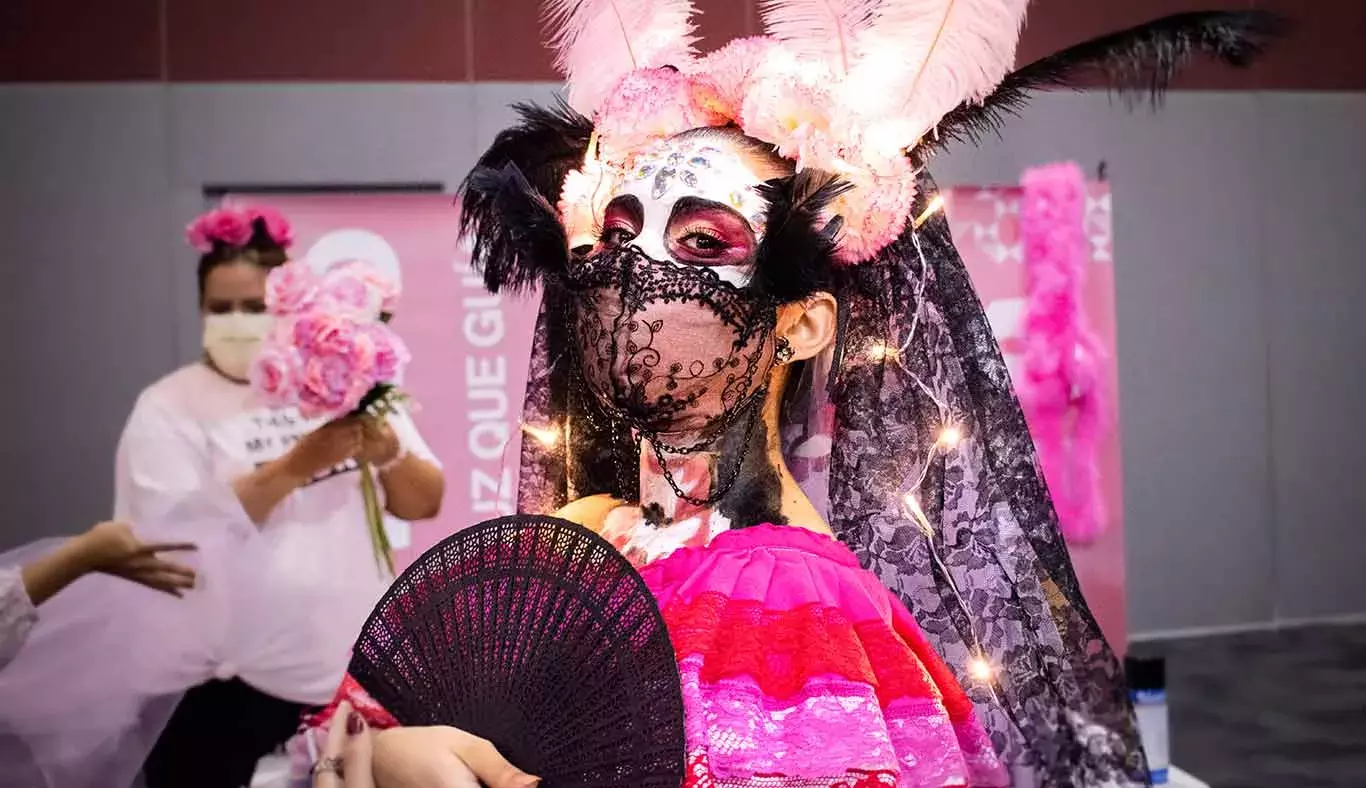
[{"x": 590, "y": 512}]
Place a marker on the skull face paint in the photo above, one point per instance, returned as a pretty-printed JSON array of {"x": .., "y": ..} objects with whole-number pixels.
[
  {"x": 693, "y": 200},
  {"x": 668, "y": 335}
]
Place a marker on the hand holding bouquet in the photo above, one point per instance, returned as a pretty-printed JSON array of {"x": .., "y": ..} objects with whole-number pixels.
[{"x": 333, "y": 355}]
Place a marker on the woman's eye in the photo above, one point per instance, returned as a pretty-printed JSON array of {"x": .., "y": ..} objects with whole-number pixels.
[
  {"x": 616, "y": 236},
  {"x": 704, "y": 243}
]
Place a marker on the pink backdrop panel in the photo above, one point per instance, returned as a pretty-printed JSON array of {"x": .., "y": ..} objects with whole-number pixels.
[
  {"x": 986, "y": 229},
  {"x": 469, "y": 348}
]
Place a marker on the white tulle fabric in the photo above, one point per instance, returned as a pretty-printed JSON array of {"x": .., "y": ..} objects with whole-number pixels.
[
  {"x": 17, "y": 613},
  {"x": 87, "y": 695}
]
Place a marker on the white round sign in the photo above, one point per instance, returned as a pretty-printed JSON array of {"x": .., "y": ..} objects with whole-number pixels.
[{"x": 340, "y": 246}]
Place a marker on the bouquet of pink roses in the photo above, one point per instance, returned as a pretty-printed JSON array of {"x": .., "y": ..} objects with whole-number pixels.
[{"x": 333, "y": 355}]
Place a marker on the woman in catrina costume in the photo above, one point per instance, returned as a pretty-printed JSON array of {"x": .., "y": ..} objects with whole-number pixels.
[{"x": 742, "y": 269}]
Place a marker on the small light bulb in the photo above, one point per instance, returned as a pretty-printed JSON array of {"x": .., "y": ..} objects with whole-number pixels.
[
  {"x": 917, "y": 513},
  {"x": 950, "y": 436},
  {"x": 934, "y": 207},
  {"x": 548, "y": 436},
  {"x": 980, "y": 669},
  {"x": 879, "y": 350}
]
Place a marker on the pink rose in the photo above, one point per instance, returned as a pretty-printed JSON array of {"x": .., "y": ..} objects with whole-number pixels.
[
  {"x": 349, "y": 295},
  {"x": 391, "y": 354},
  {"x": 275, "y": 225},
  {"x": 291, "y": 288},
  {"x": 275, "y": 374},
  {"x": 341, "y": 362},
  {"x": 331, "y": 353},
  {"x": 318, "y": 333},
  {"x": 224, "y": 225},
  {"x": 383, "y": 292},
  {"x": 325, "y": 387}
]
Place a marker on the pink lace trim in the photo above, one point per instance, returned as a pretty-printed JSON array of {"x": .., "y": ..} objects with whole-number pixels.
[
  {"x": 832, "y": 728},
  {"x": 699, "y": 775}
]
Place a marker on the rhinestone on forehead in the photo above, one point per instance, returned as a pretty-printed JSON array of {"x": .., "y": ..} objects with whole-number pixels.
[{"x": 700, "y": 167}]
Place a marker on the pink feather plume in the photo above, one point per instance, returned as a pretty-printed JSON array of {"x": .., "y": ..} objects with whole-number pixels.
[
  {"x": 827, "y": 30},
  {"x": 918, "y": 59},
  {"x": 1065, "y": 393},
  {"x": 597, "y": 42}
]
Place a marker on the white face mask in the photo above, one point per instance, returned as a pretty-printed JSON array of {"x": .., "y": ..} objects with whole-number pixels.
[{"x": 232, "y": 340}]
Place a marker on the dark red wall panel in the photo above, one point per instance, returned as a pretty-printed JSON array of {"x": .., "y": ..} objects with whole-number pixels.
[
  {"x": 1321, "y": 51},
  {"x": 1055, "y": 24},
  {"x": 723, "y": 20},
  {"x": 1326, "y": 51},
  {"x": 331, "y": 40},
  {"x": 79, "y": 40},
  {"x": 459, "y": 40},
  {"x": 507, "y": 42}
]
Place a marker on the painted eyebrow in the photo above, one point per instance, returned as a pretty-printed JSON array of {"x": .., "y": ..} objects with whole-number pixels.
[
  {"x": 629, "y": 203},
  {"x": 687, "y": 204}
]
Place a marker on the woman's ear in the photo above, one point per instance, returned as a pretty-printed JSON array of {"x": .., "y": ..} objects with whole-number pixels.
[{"x": 808, "y": 325}]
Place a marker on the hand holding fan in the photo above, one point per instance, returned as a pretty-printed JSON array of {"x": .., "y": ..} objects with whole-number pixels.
[{"x": 536, "y": 634}]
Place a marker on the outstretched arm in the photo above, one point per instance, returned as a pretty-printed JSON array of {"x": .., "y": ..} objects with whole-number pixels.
[
  {"x": 108, "y": 547},
  {"x": 113, "y": 549}
]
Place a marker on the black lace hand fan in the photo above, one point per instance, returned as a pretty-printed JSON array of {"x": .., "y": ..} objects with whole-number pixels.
[{"x": 536, "y": 634}]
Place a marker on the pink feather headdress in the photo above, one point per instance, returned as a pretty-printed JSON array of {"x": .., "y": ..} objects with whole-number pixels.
[{"x": 845, "y": 86}]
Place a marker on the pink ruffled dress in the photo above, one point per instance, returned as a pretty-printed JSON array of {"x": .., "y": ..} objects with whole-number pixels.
[{"x": 800, "y": 670}]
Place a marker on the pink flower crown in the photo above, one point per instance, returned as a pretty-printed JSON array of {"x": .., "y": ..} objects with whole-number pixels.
[
  {"x": 844, "y": 86},
  {"x": 232, "y": 226}
]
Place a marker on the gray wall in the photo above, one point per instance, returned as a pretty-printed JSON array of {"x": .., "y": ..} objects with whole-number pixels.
[{"x": 1239, "y": 258}]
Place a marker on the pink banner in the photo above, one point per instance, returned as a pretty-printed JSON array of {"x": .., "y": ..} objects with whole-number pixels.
[
  {"x": 469, "y": 348},
  {"x": 986, "y": 229}
]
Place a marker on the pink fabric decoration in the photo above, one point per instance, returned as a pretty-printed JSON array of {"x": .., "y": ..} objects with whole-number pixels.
[
  {"x": 222, "y": 225},
  {"x": 730, "y": 68},
  {"x": 923, "y": 732},
  {"x": 649, "y": 105},
  {"x": 1064, "y": 392}
]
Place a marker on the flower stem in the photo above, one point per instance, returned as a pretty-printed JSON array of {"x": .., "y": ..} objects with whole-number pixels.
[{"x": 374, "y": 517}]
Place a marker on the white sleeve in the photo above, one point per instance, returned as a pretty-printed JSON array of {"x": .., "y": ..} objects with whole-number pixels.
[
  {"x": 17, "y": 614},
  {"x": 162, "y": 459},
  {"x": 408, "y": 436}
]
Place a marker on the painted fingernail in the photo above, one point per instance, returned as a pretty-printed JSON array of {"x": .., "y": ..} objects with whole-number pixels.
[{"x": 355, "y": 724}]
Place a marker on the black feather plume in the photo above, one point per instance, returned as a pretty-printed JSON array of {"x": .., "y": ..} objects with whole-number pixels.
[
  {"x": 545, "y": 146},
  {"x": 1137, "y": 63},
  {"x": 797, "y": 255},
  {"x": 520, "y": 239}
]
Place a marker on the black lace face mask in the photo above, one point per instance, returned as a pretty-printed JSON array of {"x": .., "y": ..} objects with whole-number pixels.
[{"x": 671, "y": 349}]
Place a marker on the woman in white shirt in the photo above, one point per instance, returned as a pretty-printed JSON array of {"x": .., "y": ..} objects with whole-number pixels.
[{"x": 200, "y": 429}]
